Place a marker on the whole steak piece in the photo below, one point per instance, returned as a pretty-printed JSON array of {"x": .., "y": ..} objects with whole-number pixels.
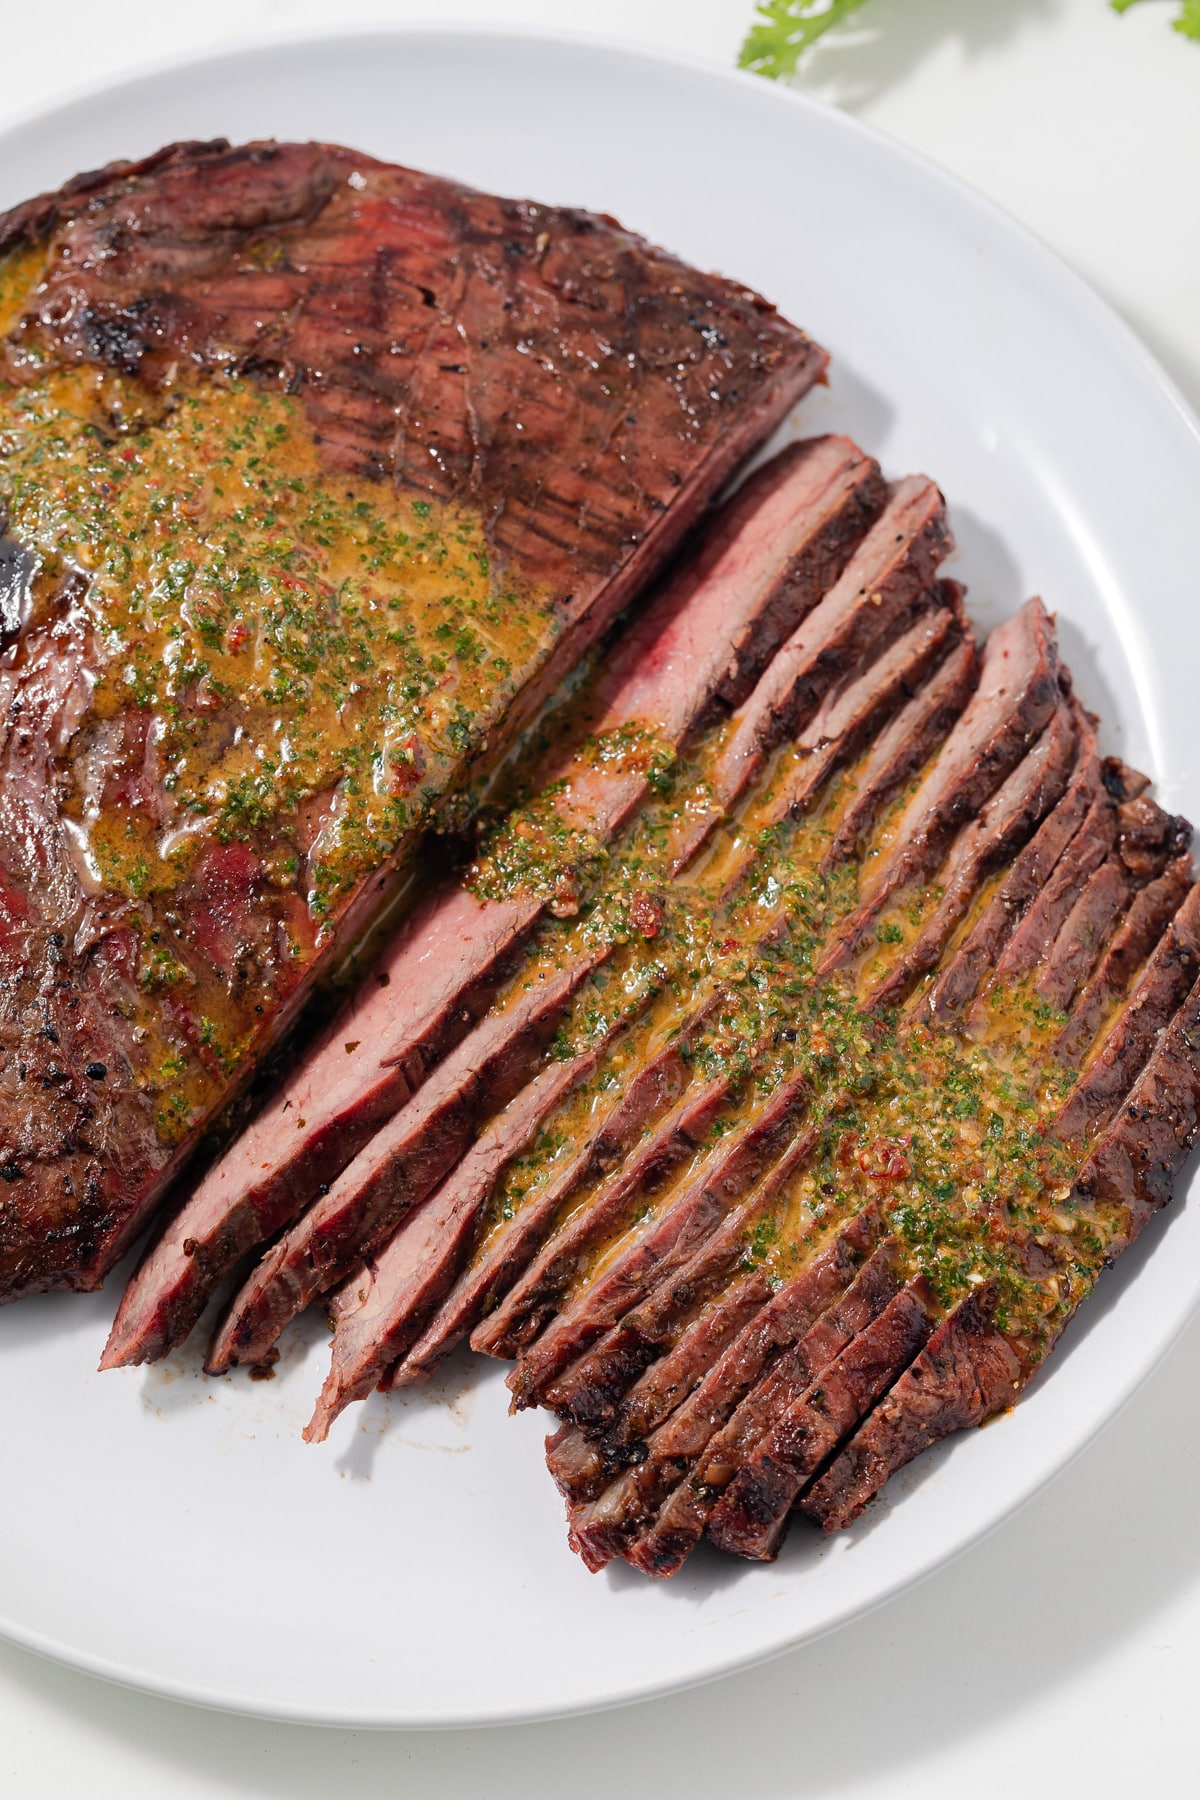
[{"x": 316, "y": 476}]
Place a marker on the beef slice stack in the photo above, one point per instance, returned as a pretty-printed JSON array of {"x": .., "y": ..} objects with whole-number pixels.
[
  {"x": 318, "y": 475},
  {"x": 780, "y": 1076}
]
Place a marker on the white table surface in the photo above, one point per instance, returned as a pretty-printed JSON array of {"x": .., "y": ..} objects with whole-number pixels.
[{"x": 1061, "y": 1655}]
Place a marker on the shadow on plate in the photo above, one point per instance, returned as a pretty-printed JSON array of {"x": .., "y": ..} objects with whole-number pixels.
[
  {"x": 892, "y": 38},
  {"x": 1018, "y": 1618}
]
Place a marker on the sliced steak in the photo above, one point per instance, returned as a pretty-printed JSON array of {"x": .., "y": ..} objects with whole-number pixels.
[
  {"x": 383, "y": 1306},
  {"x": 969, "y": 1369},
  {"x": 582, "y": 1464},
  {"x": 863, "y": 702},
  {"x": 1144, "y": 924},
  {"x": 655, "y": 1086},
  {"x": 974, "y": 958},
  {"x": 656, "y": 1467},
  {"x": 1130, "y": 1174},
  {"x": 893, "y": 566},
  {"x": 764, "y": 561},
  {"x": 1031, "y": 944},
  {"x": 1120, "y": 844},
  {"x": 535, "y": 1300},
  {"x": 1158, "y": 992},
  {"x": 903, "y": 747},
  {"x": 751, "y": 1517},
  {"x": 560, "y": 1371},
  {"x": 1085, "y": 932},
  {"x": 966, "y": 1372},
  {"x": 403, "y": 1018},
  {"x": 831, "y": 736},
  {"x": 398, "y": 1169},
  {"x": 1003, "y": 826},
  {"x": 683, "y": 1286},
  {"x": 1018, "y": 691},
  {"x": 683, "y": 1517}
]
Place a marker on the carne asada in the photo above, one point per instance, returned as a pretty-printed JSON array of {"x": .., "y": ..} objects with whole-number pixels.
[{"x": 816, "y": 1017}]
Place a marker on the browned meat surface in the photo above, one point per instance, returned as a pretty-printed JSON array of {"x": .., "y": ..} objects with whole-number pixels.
[
  {"x": 277, "y": 388},
  {"x": 683, "y": 1517},
  {"x": 752, "y": 1514},
  {"x": 967, "y": 1372},
  {"x": 1017, "y": 695},
  {"x": 665, "y": 1483},
  {"x": 1003, "y": 825},
  {"x": 1134, "y": 940},
  {"x": 1022, "y": 885}
]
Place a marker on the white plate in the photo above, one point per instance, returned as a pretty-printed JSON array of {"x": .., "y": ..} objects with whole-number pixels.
[{"x": 175, "y": 1533}]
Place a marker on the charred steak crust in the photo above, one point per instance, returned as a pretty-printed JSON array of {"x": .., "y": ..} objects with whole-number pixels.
[{"x": 542, "y": 359}]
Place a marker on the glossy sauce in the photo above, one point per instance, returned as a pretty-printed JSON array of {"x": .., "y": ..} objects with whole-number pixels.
[
  {"x": 949, "y": 1135},
  {"x": 280, "y": 673}
]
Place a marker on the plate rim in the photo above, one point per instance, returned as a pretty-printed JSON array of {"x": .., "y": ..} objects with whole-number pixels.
[{"x": 1126, "y": 343}]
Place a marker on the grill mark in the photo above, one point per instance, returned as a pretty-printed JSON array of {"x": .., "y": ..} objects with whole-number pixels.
[
  {"x": 630, "y": 1505},
  {"x": 751, "y": 1517}
]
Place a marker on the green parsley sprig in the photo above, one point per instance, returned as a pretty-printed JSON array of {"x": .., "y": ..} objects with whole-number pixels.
[
  {"x": 1188, "y": 21},
  {"x": 784, "y": 30}
]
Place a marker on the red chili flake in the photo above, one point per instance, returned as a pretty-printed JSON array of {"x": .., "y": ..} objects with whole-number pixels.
[
  {"x": 405, "y": 765},
  {"x": 884, "y": 1161},
  {"x": 847, "y": 1148},
  {"x": 646, "y": 914},
  {"x": 237, "y": 637},
  {"x": 564, "y": 897}
]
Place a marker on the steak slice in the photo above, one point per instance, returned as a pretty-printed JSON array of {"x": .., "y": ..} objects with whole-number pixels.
[
  {"x": 1083, "y": 936},
  {"x": 966, "y": 1372},
  {"x": 652, "y": 1088},
  {"x": 630, "y": 1505},
  {"x": 397, "y": 1170},
  {"x": 1130, "y": 1174},
  {"x": 277, "y": 389},
  {"x": 555, "y": 1371},
  {"x": 1017, "y": 694},
  {"x": 1149, "y": 916},
  {"x": 1157, "y": 994},
  {"x": 534, "y": 1300},
  {"x": 1005, "y": 823},
  {"x": 962, "y": 975},
  {"x": 1119, "y": 846},
  {"x": 764, "y": 560},
  {"x": 683, "y": 1518},
  {"x": 903, "y": 747},
  {"x": 673, "y": 1289},
  {"x": 892, "y": 568},
  {"x": 383, "y": 1306},
  {"x": 751, "y": 1517},
  {"x": 861, "y": 702}
]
